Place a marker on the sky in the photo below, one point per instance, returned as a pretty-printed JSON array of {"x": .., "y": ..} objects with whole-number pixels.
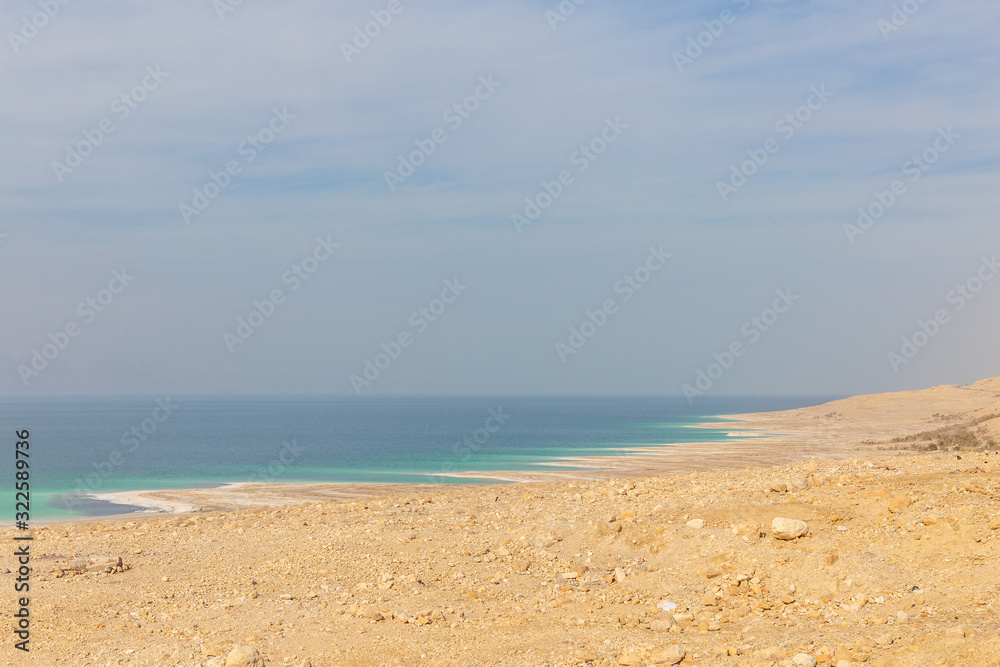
[{"x": 517, "y": 197}]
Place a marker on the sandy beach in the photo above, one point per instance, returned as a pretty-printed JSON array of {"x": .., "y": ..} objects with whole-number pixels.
[
  {"x": 839, "y": 429},
  {"x": 860, "y": 532}
]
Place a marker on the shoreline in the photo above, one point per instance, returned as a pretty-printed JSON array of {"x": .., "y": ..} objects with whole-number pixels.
[
  {"x": 801, "y": 541},
  {"x": 834, "y": 430}
]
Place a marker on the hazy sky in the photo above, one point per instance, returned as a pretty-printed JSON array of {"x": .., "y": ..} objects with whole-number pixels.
[{"x": 623, "y": 121}]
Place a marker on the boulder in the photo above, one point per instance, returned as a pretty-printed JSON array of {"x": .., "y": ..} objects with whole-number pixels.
[
  {"x": 244, "y": 656},
  {"x": 788, "y": 529}
]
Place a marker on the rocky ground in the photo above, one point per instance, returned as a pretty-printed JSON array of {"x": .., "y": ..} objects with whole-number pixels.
[
  {"x": 881, "y": 553},
  {"x": 900, "y": 565}
]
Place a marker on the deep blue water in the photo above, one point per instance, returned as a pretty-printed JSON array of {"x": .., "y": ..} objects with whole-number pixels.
[{"x": 85, "y": 446}]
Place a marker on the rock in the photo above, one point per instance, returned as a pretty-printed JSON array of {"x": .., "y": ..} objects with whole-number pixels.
[
  {"x": 902, "y": 617},
  {"x": 957, "y": 631},
  {"x": 662, "y": 623},
  {"x": 696, "y": 524},
  {"x": 804, "y": 659},
  {"x": 608, "y": 528},
  {"x": 788, "y": 529},
  {"x": 102, "y": 563},
  {"x": 995, "y": 523},
  {"x": 859, "y": 602},
  {"x": 633, "y": 660},
  {"x": 619, "y": 575},
  {"x": 244, "y": 656},
  {"x": 799, "y": 482},
  {"x": 77, "y": 565},
  {"x": 831, "y": 559},
  {"x": 899, "y": 503},
  {"x": 520, "y": 565},
  {"x": 305, "y": 663},
  {"x": 671, "y": 655}
]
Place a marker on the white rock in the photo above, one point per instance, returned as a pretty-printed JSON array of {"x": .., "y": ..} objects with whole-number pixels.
[
  {"x": 804, "y": 659},
  {"x": 788, "y": 529},
  {"x": 697, "y": 524}
]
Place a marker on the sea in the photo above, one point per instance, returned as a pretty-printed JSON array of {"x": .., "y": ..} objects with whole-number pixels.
[{"x": 83, "y": 447}]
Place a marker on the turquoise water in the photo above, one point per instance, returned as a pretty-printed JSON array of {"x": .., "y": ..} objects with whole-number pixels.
[{"x": 82, "y": 447}]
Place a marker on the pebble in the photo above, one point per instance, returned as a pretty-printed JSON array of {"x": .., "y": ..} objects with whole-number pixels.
[
  {"x": 804, "y": 659},
  {"x": 244, "y": 656},
  {"x": 671, "y": 655},
  {"x": 899, "y": 503},
  {"x": 798, "y": 482},
  {"x": 696, "y": 524},
  {"x": 788, "y": 529},
  {"x": 520, "y": 565},
  {"x": 662, "y": 623}
]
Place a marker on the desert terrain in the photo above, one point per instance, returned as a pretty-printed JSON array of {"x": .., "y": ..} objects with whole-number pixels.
[{"x": 866, "y": 533}]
